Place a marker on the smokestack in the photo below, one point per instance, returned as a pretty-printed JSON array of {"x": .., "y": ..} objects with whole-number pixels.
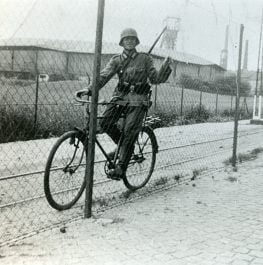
[
  {"x": 224, "y": 52},
  {"x": 226, "y": 38},
  {"x": 245, "y": 57}
]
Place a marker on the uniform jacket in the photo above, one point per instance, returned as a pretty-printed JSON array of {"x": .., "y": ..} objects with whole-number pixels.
[{"x": 140, "y": 69}]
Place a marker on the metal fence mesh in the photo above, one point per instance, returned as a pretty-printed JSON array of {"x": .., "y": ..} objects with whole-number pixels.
[{"x": 38, "y": 79}]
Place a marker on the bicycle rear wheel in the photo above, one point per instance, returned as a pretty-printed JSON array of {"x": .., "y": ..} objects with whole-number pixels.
[
  {"x": 142, "y": 162},
  {"x": 64, "y": 178}
]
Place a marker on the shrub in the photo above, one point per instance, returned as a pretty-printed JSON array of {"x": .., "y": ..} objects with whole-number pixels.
[
  {"x": 197, "y": 113},
  {"x": 168, "y": 118},
  {"x": 15, "y": 82},
  {"x": 15, "y": 125},
  {"x": 225, "y": 85},
  {"x": 18, "y": 124},
  {"x": 56, "y": 77},
  {"x": 187, "y": 81},
  {"x": 62, "y": 77}
]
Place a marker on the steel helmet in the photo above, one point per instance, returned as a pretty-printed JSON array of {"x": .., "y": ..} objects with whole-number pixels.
[{"x": 129, "y": 32}]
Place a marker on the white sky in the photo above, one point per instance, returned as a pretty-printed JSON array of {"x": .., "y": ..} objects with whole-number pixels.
[{"x": 202, "y": 29}]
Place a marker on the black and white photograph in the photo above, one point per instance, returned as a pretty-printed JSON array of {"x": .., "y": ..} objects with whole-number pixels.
[{"x": 131, "y": 132}]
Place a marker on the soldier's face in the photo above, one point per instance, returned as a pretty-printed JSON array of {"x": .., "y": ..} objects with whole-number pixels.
[{"x": 129, "y": 43}]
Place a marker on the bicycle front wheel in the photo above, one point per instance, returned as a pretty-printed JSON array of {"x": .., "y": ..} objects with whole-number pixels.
[
  {"x": 64, "y": 178},
  {"x": 142, "y": 162}
]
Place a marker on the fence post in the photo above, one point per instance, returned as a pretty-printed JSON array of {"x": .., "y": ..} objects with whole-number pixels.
[
  {"x": 93, "y": 111},
  {"x": 216, "y": 100},
  {"x": 231, "y": 103},
  {"x": 182, "y": 103},
  {"x": 234, "y": 156},
  {"x": 36, "y": 95},
  {"x": 200, "y": 103}
]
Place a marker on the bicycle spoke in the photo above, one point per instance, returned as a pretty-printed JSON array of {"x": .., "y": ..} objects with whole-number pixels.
[{"x": 65, "y": 171}]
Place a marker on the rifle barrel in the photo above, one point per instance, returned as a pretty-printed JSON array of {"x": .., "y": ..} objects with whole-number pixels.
[{"x": 164, "y": 29}]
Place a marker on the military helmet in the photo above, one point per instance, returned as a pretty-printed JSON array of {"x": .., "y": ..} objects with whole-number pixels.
[{"x": 128, "y": 32}]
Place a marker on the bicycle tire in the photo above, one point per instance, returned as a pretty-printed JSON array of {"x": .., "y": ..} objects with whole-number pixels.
[
  {"x": 60, "y": 182},
  {"x": 145, "y": 151}
]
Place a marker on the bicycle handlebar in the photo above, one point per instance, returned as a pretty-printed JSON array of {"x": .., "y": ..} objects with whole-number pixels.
[
  {"x": 79, "y": 94},
  {"x": 83, "y": 92}
]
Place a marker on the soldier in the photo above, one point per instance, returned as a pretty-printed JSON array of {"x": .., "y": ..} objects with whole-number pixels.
[{"x": 135, "y": 70}]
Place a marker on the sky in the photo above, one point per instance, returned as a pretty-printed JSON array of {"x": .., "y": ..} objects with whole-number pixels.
[{"x": 201, "y": 30}]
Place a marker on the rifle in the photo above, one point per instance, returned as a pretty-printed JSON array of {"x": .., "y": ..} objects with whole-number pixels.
[{"x": 157, "y": 39}]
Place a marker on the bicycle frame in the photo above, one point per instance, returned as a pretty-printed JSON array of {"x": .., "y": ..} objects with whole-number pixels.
[
  {"x": 148, "y": 121},
  {"x": 137, "y": 175},
  {"x": 84, "y": 131}
]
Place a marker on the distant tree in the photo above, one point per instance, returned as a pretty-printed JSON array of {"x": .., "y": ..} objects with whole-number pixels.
[{"x": 228, "y": 84}]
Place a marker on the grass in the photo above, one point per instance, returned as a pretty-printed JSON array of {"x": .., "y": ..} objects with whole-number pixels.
[
  {"x": 18, "y": 123},
  {"x": 126, "y": 194},
  {"x": 232, "y": 179},
  {"x": 177, "y": 177},
  {"x": 197, "y": 172},
  {"x": 161, "y": 181},
  {"x": 102, "y": 202},
  {"x": 57, "y": 113},
  {"x": 242, "y": 157}
]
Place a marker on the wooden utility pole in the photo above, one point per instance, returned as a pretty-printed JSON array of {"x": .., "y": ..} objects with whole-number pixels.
[
  {"x": 259, "y": 49},
  {"x": 234, "y": 156},
  {"x": 93, "y": 111}
]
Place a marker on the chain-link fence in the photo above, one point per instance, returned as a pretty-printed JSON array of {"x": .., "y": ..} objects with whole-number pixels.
[{"x": 39, "y": 77}]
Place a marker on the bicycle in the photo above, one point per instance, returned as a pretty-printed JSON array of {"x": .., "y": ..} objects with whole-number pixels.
[{"x": 64, "y": 177}]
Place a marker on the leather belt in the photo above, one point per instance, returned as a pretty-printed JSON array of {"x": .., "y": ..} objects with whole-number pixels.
[{"x": 138, "y": 88}]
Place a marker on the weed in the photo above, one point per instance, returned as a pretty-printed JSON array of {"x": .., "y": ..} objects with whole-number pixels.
[
  {"x": 167, "y": 118},
  {"x": 232, "y": 179},
  {"x": 245, "y": 156},
  {"x": 198, "y": 113},
  {"x": 196, "y": 172},
  {"x": 126, "y": 194},
  {"x": 102, "y": 202},
  {"x": 161, "y": 181},
  {"x": 177, "y": 177},
  {"x": 257, "y": 150},
  {"x": 117, "y": 220}
]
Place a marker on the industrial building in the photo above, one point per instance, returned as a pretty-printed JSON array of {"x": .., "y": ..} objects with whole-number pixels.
[{"x": 74, "y": 59}]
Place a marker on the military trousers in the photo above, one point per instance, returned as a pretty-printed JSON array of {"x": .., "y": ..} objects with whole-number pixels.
[{"x": 131, "y": 126}]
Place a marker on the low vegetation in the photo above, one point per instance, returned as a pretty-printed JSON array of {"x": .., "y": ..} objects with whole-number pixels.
[
  {"x": 195, "y": 114},
  {"x": 223, "y": 85},
  {"x": 242, "y": 157},
  {"x": 21, "y": 120},
  {"x": 20, "y": 123}
]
